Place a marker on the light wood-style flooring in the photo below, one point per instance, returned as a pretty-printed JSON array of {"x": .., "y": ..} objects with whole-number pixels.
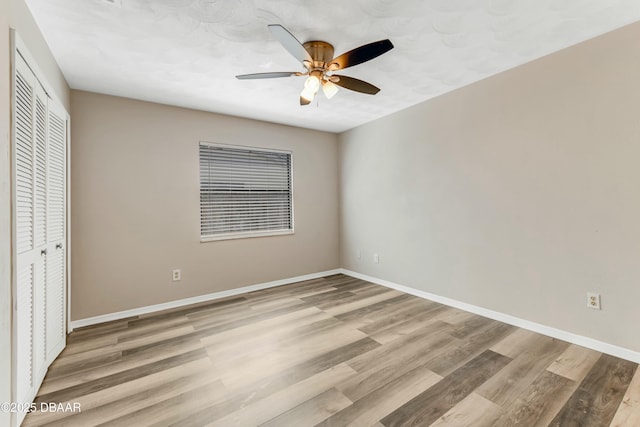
[{"x": 334, "y": 351}]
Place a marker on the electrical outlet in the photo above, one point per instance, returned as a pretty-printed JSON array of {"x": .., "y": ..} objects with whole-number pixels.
[
  {"x": 593, "y": 300},
  {"x": 376, "y": 258},
  {"x": 176, "y": 275}
]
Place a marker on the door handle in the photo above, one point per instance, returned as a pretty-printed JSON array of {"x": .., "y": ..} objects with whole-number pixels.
[
  {"x": 43, "y": 252},
  {"x": 59, "y": 246}
]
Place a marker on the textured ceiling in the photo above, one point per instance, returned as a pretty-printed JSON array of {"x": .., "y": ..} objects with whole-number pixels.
[{"x": 187, "y": 52}]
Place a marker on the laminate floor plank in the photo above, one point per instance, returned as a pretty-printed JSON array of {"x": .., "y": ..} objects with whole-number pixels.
[
  {"x": 281, "y": 401},
  {"x": 256, "y": 366},
  {"x": 453, "y": 316},
  {"x": 381, "y": 315},
  {"x": 137, "y": 331},
  {"x": 371, "y": 408},
  {"x": 169, "y": 410},
  {"x": 357, "y": 286},
  {"x": 115, "y": 344},
  {"x": 66, "y": 359},
  {"x": 274, "y": 303},
  {"x": 266, "y": 357},
  {"x": 628, "y": 413},
  {"x": 260, "y": 339},
  {"x": 473, "y": 345},
  {"x": 376, "y": 308},
  {"x": 392, "y": 318},
  {"x": 126, "y": 363},
  {"x": 427, "y": 319},
  {"x": 539, "y": 403},
  {"x": 169, "y": 345},
  {"x": 102, "y": 399},
  {"x": 469, "y": 326},
  {"x": 330, "y": 351},
  {"x": 294, "y": 289},
  {"x": 168, "y": 315},
  {"x": 357, "y": 296},
  {"x": 598, "y": 397},
  {"x": 208, "y": 412},
  {"x": 428, "y": 406},
  {"x": 574, "y": 362},
  {"x": 513, "y": 344},
  {"x": 81, "y": 346},
  {"x": 290, "y": 335},
  {"x": 387, "y": 351},
  {"x": 392, "y": 365},
  {"x": 339, "y": 279},
  {"x": 472, "y": 411},
  {"x": 211, "y": 324},
  {"x": 276, "y": 381},
  {"x": 103, "y": 382},
  {"x": 220, "y": 313},
  {"x": 263, "y": 327},
  {"x": 100, "y": 359},
  {"x": 281, "y": 384},
  {"x": 144, "y": 401},
  {"x": 313, "y": 411},
  {"x": 328, "y": 297},
  {"x": 341, "y": 307},
  {"x": 99, "y": 331},
  {"x": 314, "y": 291},
  {"x": 506, "y": 385}
]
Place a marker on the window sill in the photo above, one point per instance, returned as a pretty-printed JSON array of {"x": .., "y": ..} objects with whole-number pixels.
[{"x": 245, "y": 235}]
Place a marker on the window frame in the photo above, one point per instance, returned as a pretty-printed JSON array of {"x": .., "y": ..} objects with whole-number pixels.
[{"x": 252, "y": 233}]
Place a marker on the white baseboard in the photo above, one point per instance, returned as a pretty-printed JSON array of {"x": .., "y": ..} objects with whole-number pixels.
[
  {"x": 580, "y": 340},
  {"x": 194, "y": 300}
]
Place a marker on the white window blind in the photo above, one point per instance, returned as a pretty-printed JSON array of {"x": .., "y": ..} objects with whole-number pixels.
[{"x": 244, "y": 192}]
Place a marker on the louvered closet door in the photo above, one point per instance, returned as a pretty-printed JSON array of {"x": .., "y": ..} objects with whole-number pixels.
[
  {"x": 56, "y": 232},
  {"x": 40, "y": 218},
  {"x": 40, "y": 231},
  {"x": 29, "y": 229}
]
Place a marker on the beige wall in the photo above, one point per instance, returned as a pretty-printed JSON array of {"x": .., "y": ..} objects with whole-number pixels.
[
  {"x": 14, "y": 14},
  {"x": 519, "y": 193},
  {"x": 135, "y": 205}
]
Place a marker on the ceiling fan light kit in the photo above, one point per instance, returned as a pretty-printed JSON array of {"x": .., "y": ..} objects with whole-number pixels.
[
  {"x": 329, "y": 89},
  {"x": 317, "y": 58},
  {"x": 311, "y": 86}
]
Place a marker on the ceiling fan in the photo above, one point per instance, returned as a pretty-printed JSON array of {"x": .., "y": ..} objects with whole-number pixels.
[{"x": 319, "y": 63}]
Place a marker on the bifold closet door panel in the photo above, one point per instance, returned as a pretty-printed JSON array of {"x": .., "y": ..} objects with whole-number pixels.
[
  {"x": 40, "y": 142},
  {"x": 56, "y": 233},
  {"x": 25, "y": 220}
]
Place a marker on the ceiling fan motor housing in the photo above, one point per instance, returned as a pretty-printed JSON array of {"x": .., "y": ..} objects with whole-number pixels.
[{"x": 321, "y": 53}]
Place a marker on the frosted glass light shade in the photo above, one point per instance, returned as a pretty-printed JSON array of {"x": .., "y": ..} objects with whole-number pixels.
[{"x": 329, "y": 89}]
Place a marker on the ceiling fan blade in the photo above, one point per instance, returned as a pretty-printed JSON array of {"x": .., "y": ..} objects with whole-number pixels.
[
  {"x": 267, "y": 75},
  {"x": 289, "y": 42},
  {"x": 355, "y": 84},
  {"x": 304, "y": 101},
  {"x": 361, "y": 54}
]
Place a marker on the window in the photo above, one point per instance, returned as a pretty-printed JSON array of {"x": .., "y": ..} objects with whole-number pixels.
[{"x": 244, "y": 192}]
